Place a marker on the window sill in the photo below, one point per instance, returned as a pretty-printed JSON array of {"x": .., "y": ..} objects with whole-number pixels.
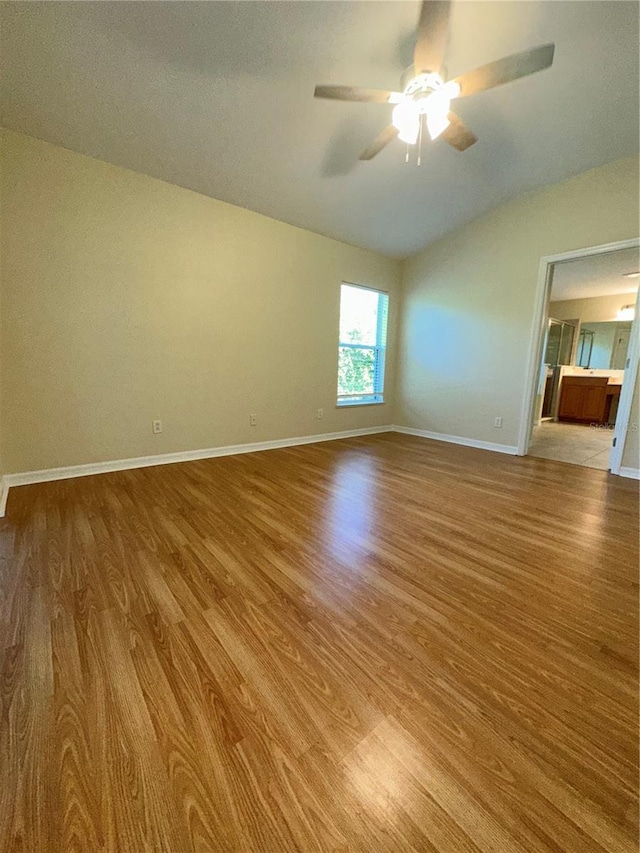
[{"x": 357, "y": 404}]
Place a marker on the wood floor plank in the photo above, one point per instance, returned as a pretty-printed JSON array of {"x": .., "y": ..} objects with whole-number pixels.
[{"x": 378, "y": 644}]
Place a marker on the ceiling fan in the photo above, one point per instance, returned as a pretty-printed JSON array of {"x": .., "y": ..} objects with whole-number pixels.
[{"x": 426, "y": 95}]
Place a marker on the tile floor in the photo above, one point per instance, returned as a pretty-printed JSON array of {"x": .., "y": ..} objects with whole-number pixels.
[{"x": 576, "y": 443}]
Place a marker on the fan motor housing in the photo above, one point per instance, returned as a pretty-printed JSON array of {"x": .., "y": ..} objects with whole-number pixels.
[{"x": 420, "y": 85}]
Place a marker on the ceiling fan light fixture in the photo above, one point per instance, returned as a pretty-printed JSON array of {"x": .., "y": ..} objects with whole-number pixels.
[
  {"x": 406, "y": 118},
  {"x": 452, "y": 89},
  {"x": 437, "y": 107},
  {"x": 436, "y": 123}
]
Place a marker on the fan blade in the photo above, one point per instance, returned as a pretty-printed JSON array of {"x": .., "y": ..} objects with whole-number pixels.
[
  {"x": 458, "y": 134},
  {"x": 505, "y": 70},
  {"x": 433, "y": 29},
  {"x": 384, "y": 138},
  {"x": 353, "y": 93}
]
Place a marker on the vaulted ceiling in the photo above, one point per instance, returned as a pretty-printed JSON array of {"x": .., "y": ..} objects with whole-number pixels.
[
  {"x": 218, "y": 97},
  {"x": 596, "y": 275}
]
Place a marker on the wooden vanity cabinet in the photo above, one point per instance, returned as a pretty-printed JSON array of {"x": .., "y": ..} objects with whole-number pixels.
[{"x": 586, "y": 399}]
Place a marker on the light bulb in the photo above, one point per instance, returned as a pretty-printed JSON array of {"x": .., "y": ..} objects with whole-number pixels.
[
  {"x": 452, "y": 88},
  {"x": 627, "y": 312},
  {"x": 406, "y": 118},
  {"x": 436, "y": 123},
  {"x": 437, "y": 108}
]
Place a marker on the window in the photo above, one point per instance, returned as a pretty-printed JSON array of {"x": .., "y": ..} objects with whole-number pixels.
[{"x": 362, "y": 346}]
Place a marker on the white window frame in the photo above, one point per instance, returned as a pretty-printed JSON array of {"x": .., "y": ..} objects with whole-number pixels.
[{"x": 365, "y": 398}]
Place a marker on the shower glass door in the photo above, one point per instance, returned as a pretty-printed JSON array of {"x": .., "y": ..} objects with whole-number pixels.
[{"x": 557, "y": 352}]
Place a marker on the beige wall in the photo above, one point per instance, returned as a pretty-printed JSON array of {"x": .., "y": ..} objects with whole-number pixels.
[
  {"x": 127, "y": 299},
  {"x": 468, "y": 301},
  {"x": 596, "y": 309}
]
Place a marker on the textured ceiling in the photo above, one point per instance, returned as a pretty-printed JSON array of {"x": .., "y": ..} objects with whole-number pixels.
[
  {"x": 598, "y": 275},
  {"x": 218, "y": 97}
]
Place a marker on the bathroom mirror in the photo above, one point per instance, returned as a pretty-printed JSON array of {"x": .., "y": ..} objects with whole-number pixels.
[{"x": 603, "y": 345}]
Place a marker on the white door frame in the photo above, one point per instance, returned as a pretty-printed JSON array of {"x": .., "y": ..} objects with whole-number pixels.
[
  {"x": 534, "y": 358},
  {"x": 626, "y": 394}
]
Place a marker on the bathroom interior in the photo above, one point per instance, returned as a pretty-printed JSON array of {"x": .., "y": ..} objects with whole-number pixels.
[{"x": 590, "y": 319}]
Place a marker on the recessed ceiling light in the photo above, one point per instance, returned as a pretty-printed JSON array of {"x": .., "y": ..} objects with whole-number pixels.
[{"x": 631, "y": 274}]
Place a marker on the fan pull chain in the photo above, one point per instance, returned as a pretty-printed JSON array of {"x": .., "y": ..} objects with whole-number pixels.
[
  {"x": 420, "y": 140},
  {"x": 406, "y": 156}
]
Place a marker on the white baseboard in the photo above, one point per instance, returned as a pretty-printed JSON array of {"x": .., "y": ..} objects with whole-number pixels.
[
  {"x": 4, "y": 494},
  {"x": 48, "y": 474},
  {"x": 632, "y": 473},
  {"x": 512, "y": 450}
]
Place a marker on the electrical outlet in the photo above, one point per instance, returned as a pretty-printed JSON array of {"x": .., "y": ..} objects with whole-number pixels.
[
  {"x": 320, "y": 414},
  {"x": 498, "y": 423},
  {"x": 157, "y": 427},
  {"x": 253, "y": 420}
]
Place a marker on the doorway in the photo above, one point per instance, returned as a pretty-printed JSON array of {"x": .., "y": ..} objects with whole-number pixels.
[{"x": 584, "y": 357}]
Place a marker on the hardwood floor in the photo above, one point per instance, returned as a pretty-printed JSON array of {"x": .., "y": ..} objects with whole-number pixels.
[{"x": 378, "y": 644}]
